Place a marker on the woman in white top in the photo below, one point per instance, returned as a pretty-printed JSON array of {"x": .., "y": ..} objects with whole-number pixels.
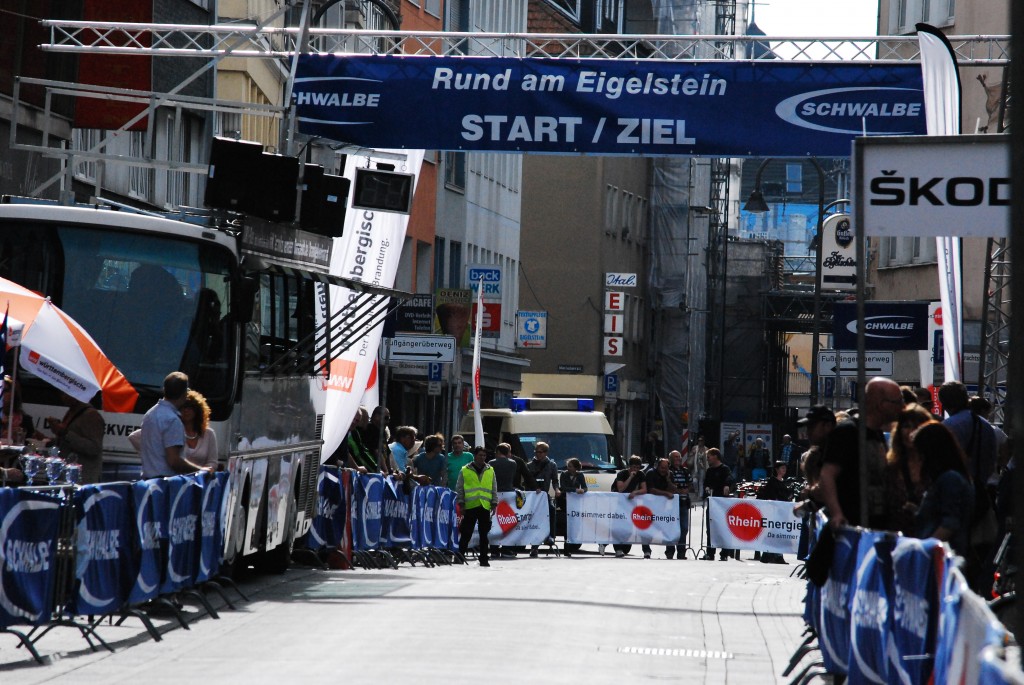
[{"x": 200, "y": 440}]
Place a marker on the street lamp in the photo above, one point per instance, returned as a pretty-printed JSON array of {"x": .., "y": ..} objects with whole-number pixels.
[{"x": 757, "y": 205}]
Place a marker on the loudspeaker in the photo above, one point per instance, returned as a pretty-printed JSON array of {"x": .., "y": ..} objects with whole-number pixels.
[
  {"x": 272, "y": 187},
  {"x": 231, "y": 163},
  {"x": 324, "y": 200},
  {"x": 312, "y": 175}
]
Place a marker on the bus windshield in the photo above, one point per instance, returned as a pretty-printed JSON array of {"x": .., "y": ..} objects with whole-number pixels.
[{"x": 153, "y": 303}]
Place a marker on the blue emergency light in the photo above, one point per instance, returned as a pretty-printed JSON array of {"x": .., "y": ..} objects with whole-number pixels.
[
  {"x": 521, "y": 404},
  {"x": 518, "y": 404}
]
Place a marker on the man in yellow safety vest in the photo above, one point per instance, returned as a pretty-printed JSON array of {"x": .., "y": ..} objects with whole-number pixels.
[{"x": 476, "y": 496}]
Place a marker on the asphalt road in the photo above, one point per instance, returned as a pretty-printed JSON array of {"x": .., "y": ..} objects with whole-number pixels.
[{"x": 585, "y": 619}]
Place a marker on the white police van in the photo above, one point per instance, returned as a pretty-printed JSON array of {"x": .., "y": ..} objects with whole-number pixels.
[{"x": 569, "y": 426}]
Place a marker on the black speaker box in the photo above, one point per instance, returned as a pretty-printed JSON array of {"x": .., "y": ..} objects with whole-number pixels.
[
  {"x": 324, "y": 201},
  {"x": 231, "y": 163},
  {"x": 272, "y": 187},
  {"x": 312, "y": 176}
]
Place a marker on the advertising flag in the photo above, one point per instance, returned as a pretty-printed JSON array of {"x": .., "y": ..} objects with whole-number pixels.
[
  {"x": 942, "y": 100},
  {"x": 368, "y": 251},
  {"x": 478, "y": 423}
]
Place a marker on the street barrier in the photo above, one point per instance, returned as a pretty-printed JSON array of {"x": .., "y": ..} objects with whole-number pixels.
[
  {"x": 898, "y": 610},
  {"x": 73, "y": 556},
  {"x": 375, "y": 521},
  {"x": 613, "y": 518}
]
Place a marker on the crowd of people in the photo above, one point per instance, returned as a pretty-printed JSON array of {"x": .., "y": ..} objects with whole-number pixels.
[{"x": 927, "y": 477}]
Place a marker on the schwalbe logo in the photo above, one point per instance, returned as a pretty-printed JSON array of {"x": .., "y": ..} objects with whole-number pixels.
[
  {"x": 886, "y": 327},
  {"x": 846, "y": 114}
]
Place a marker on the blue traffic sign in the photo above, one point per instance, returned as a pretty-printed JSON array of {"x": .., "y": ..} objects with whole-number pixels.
[
  {"x": 611, "y": 383},
  {"x": 434, "y": 371}
]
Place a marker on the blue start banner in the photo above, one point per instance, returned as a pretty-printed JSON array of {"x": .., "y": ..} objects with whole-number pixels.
[
  {"x": 28, "y": 541},
  {"x": 643, "y": 107},
  {"x": 104, "y": 568}
]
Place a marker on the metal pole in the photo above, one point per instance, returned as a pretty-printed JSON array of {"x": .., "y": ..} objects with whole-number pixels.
[
  {"x": 817, "y": 287},
  {"x": 1015, "y": 381},
  {"x": 382, "y": 463},
  {"x": 862, "y": 270}
]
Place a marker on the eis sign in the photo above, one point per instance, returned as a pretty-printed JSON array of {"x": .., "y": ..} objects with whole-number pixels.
[{"x": 615, "y": 312}]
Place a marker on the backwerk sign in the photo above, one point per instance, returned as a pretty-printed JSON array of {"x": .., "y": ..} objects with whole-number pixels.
[{"x": 605, "y": 106}]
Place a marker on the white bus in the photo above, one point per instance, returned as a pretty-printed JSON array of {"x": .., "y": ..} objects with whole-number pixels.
[{"x": 233, "y": 307}]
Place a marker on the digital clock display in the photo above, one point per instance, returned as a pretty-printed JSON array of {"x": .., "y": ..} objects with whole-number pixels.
[{"x": 386, "y": 191}]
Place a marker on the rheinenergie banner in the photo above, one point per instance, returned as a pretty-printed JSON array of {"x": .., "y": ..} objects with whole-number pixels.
[
  {"x": 626, "y": 107},
  {"x": 529, "y": 524},
  {"x": 611, "y": 517},
  {"x": 760, "y": 524}
]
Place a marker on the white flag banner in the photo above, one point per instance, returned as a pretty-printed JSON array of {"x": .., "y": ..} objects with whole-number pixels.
[
  {"x": 613, "y": 518},
  {"x": 512, "y": 525},
  {"x": 942, "y": 99},
  {"x": 369, "y": 251},
  {"x": 478, "y": 422},
  {"x": 759, "y": 524}
]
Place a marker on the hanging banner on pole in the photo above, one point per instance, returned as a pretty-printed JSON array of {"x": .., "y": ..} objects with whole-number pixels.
[{"x": 505, "y": 104}]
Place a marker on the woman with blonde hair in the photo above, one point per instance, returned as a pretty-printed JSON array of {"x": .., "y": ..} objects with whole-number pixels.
[
  {"x": 904, "y": 483},
  {"x": 200, "y": 440}
]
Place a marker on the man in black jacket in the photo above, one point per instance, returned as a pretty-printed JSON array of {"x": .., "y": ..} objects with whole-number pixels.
[
  {"x": 717, "y": 483},
  {"x": 775, "y": 488}
]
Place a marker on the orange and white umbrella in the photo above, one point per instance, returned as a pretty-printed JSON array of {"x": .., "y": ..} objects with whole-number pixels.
[{"x": 57, "y": 349}]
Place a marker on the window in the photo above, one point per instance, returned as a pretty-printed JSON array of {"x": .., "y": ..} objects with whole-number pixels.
[
  {"x": 433, "y": 7},
  {"x": 439, "y": 260},
  {"x": 609, "y": 13},
  {"x": 890, "y": 244},
  {"x": 455, "y": 266},
  {"x": 794, "y": 179},
  {"x": 901, "y": 15},
  {"x": 610, "y": 195},
  {"x": 570, "y": 8},
  {"x": 85, "y": 139},
  {"x": 458, "y": 21},
  {"x": 455, "y": 170}
]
